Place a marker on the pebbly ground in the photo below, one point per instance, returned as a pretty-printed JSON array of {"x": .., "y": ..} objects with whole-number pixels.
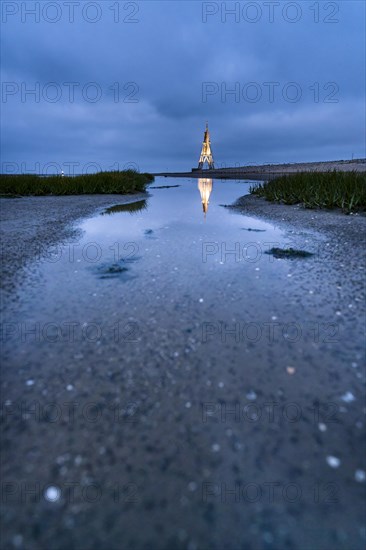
[
  {"x": 348, "y": 232},
  {"x": 178, "y": 464}
]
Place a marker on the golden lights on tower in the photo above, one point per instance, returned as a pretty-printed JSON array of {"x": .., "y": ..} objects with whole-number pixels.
[
  {"x": 205, "y": 189},
  {"x": 206, "y": 153}
]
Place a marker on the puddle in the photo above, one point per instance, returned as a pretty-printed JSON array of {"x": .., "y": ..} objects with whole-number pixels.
[
  {"x": 183, "y": 260},
  {"x": 185, "y": 233},
  {"x": 175, "y": 311}
]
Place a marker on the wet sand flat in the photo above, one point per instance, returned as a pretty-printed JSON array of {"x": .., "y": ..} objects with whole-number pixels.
[
  {"x": 187, "y": 391},
  {"x": 30, "y": 226}
]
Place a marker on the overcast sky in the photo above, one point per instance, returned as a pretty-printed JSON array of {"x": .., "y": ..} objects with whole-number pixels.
[{"x": 134, "y": 82}]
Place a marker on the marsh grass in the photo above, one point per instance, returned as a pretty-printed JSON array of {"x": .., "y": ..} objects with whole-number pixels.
[
  {"x": 344, "y": 190},
  {"x": 131, "y": 207},
  {"x": 128, "y": 181}
]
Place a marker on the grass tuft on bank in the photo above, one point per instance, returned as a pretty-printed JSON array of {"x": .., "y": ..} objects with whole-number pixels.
[
  {"x": 345, "y": 190},
  {"x": 101, "y": 183}
]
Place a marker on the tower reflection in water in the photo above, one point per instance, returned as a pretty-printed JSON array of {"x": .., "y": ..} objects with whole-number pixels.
[{"x": 205, "y": 189}]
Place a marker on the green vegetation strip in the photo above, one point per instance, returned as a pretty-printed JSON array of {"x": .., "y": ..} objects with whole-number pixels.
[
  {"x": 125, "y": 182},
  {"x": 345, "y": 190}
]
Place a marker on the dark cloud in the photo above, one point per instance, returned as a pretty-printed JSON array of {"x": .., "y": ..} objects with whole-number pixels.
[{"x": 165, "y": 62}]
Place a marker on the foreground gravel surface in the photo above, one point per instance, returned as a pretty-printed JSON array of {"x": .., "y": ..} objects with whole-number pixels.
[
  {"x": 348, "y": 231},
  {"x": 169, "y": 436}
]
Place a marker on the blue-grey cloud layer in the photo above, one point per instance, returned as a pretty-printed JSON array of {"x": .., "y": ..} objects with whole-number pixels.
[{"x": 171, "y": 55}]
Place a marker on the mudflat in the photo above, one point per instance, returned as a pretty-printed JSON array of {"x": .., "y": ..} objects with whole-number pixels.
[{"x": 229, "y": 410}]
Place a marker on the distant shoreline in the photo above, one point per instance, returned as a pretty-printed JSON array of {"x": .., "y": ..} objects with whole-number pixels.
[{"x": 269, "y": 171}]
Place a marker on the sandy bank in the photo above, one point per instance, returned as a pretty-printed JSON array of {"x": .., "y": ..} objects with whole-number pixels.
[
  {"x": 269, "y": 171},
  {"x": 346, "y": 234},
  {"x": 31, "y": 225}
]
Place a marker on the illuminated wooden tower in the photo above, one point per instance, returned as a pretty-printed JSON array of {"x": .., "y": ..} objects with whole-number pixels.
[{"x": 206, "y": 153}]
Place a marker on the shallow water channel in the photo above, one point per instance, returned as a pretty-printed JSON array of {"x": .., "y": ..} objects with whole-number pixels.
[{"x": 194, "y": 361}]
